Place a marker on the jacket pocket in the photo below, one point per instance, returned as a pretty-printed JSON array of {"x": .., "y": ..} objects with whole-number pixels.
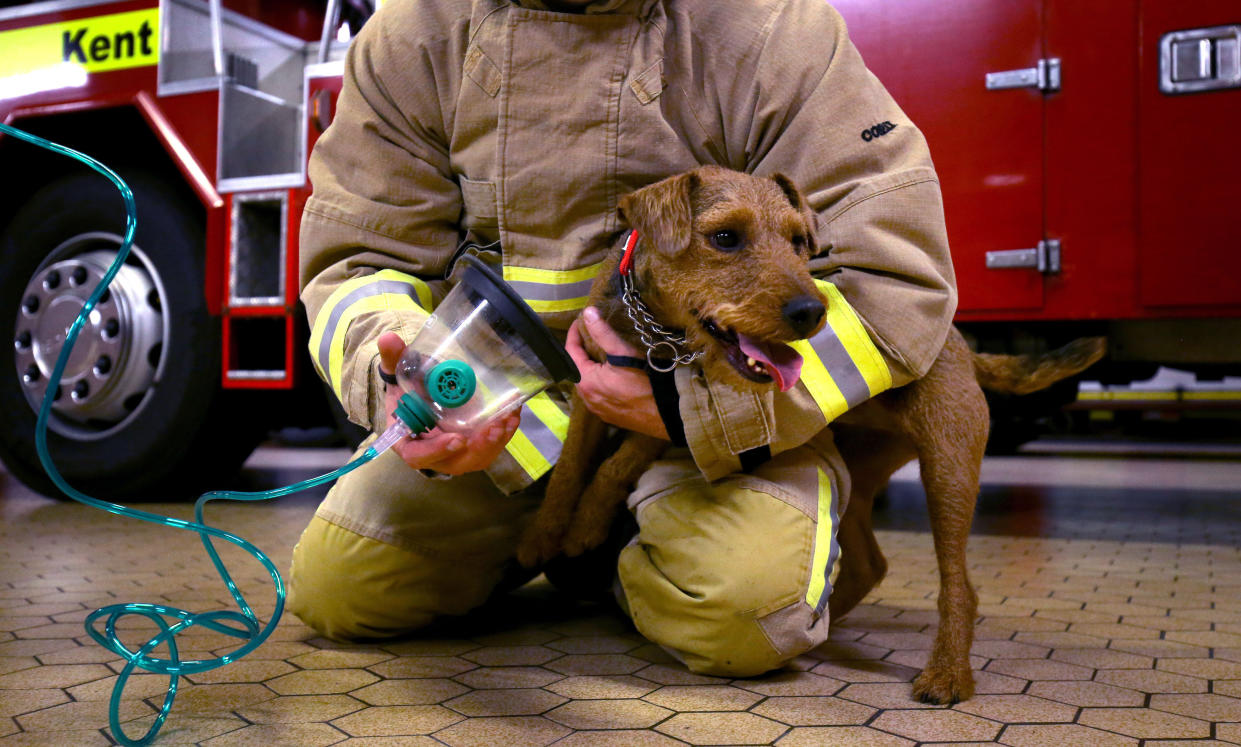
[{"x": 479, "y": 199}]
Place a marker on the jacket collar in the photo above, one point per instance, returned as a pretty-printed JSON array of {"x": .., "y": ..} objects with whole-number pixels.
[{"x": 596, "y": 7}]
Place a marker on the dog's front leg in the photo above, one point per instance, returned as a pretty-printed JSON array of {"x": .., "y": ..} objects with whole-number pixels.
[
  {"x": 542, "y": 539},
  {"x": 609, "y": 489},
  {"x": 950, "y": 472}
]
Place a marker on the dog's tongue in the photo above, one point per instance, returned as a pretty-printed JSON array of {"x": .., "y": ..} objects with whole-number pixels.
[{"x": 782, "y": 361}]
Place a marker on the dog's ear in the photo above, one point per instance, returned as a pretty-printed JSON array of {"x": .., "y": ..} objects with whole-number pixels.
[
  {"x": 799, "y": 202},
  {"x": 662, "y": 213}
]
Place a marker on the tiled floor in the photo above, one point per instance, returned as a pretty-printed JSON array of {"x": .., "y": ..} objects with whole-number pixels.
[{"x": 1110, "y": 614}]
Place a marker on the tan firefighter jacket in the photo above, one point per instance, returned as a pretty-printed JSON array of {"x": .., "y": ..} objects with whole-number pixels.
[{"x": 507, "y": 124}]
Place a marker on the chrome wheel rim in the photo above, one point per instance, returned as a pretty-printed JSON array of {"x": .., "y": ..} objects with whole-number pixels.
[{"x": 120, "y": 351}]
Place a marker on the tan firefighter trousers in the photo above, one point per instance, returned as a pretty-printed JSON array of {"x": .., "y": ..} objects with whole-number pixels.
[{"x": 730, "y": 577}]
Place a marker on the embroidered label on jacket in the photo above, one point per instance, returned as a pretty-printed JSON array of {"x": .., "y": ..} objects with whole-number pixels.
[{"x": 878, "y": 130}]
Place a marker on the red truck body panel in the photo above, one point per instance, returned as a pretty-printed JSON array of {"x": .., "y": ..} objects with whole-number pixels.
[{"x": 1139, "y": 186}]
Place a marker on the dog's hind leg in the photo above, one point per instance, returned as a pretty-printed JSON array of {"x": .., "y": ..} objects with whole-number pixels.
[
  {"x": 585, "y": 437},
  {"x": 609, "y": 489},
  {"x": 871, "y": 457}
]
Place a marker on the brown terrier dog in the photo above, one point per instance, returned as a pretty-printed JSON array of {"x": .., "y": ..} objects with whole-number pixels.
[{"x": 736, "y": 312}]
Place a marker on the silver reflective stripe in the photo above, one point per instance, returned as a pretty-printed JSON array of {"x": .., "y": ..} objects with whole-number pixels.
[
  {"x": 834, "y": 555},
  {"x": 532, "y": 291},
  {"x": 843, "y": 369},
  {"x": 541, "y": 436},
  {"x": 370, "y": 289}
]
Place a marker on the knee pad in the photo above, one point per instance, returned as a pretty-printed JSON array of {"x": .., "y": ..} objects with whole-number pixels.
[{"x": 719, "y": 576}]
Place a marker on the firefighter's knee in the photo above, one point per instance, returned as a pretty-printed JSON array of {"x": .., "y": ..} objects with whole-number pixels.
[
  {"x": 731, "y": 577},
  {"x": 349, "y": 586}
]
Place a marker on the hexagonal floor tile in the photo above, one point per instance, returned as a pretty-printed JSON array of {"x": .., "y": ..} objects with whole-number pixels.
[
  {"x": 618, "y": 738},
  {"x": 792, "y": 683},
  {"x": 578, "y": 664},
  {"x": 322, "y": 681},
  {"x": 937, "y": 726},
  {"x": 1062, "y": 735},
  {"x": 517, "y": 731},
  {"x": 1088, "y": 694},
  {"x": 1025, "y": 709},
  {"x": 840, "y": 736},
  {"x": 519, "y": 702},
  {"x": 508, "y": 656},
  {"x": 342, "y": 659},
  {"x": 1144, "y": 724},
  {"x": 703, "y": 698},
  {"x": 422, "y": 666},
  {"x": 293, "y": 709},
  {"x": 814, "y": 711},
  {"x": 303, "y": 735},
  {"x": 409, "y": 692},
  {"x": 722, "y": 728},
  {"x": 608, "y": 714},
  {"x": 396, "y": 721},
  {"x": 598, "y": 687},
  {"x": 508, "y": 677}
]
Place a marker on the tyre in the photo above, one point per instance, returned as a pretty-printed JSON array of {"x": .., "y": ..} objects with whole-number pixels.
[{"x": 139, "y": 412}]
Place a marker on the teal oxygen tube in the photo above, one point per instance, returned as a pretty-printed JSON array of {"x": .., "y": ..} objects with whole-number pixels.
[{"x": 521, "y": 366}]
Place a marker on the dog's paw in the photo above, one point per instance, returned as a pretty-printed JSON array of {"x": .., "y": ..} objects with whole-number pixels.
[
  {"x": 582, "y": 537},
  {"x": 944, "y": 686},
  {"x": 537, "y": 547}
]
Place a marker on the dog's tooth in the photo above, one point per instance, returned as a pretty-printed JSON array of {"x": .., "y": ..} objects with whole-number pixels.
[{"x": 751, "y": 362}]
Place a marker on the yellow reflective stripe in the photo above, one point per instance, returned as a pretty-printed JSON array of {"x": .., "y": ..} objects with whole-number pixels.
[
  {"x": 367, "y": 305},
  {"x": 550, "y": 291},
  {"x": 545, "y": 409},
  {"x": 537, "y": 445},
  {"x": 823, "y": 544},
  {"x": 819, "y": 382},
  {"x": 551, "y": 307},
  {"x": 386, "y": 290},
  {"x": 551, "y": 277},
  {"x": 855, "y": 340},
  {"x": 329, "y": 318},
  {"x": 527, "y": 456}
]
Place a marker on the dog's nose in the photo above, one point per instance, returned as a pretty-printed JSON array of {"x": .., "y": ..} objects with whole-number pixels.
[{"x": 804, "y": 313}]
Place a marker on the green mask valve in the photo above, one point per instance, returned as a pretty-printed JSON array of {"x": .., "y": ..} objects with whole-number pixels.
[
  {"x": 414, "y": 413},
  {"x": 451, "y": 383}
]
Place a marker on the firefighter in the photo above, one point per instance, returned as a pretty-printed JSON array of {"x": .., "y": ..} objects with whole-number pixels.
[{"x": 515, "y": 126}]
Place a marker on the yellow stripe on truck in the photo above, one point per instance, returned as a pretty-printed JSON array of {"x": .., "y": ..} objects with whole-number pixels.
[{"x": 117, "y": 41}]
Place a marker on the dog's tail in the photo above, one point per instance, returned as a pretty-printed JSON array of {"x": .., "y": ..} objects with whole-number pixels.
[{"x": 1022, "y": 374}]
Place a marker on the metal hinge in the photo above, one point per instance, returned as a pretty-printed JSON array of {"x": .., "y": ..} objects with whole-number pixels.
[
  {"x": 1045, "y": 258},
  {"x": 1045, "y": 77}
]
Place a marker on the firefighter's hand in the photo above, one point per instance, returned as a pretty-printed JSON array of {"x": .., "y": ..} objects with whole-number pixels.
[
  {"x": 617, "y": 395},
  {"x": 447, "y": 453}
]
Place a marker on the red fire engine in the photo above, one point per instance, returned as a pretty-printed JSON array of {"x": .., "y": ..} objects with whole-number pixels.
[{"x": 1089, "y": 173}]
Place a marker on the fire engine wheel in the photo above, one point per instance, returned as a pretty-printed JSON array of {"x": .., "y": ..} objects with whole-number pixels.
[{"x": 138, "y": 411}]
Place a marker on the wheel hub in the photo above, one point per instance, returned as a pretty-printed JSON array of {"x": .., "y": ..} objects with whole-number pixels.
[{"x": 116, "y": 357}]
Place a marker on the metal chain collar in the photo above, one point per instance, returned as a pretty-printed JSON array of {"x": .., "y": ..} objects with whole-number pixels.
[{"x": 653, "y": 334}]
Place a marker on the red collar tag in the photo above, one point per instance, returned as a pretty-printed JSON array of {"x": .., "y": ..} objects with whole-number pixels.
[{"x": 627, "y": 258}]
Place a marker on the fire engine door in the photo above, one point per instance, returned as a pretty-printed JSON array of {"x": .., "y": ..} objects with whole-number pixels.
[
  {"x": 1189, "y": 154},
  {"x": 986, "y": 137}
]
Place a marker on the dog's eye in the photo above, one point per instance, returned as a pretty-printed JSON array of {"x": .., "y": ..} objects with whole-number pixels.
[
  {"x": 726, "y": 240},
  {"x": 799, "y": 243}
]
